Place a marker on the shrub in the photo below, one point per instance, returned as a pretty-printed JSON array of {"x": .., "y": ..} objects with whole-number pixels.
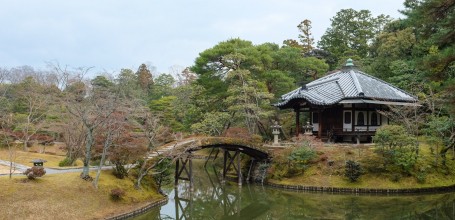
[
  {"x": 30, "y": 144},
  {"x": 323, "y": 158},
  {"x": 278, "y": 171},
  {"x": 117, "y": 194},
  {"x": 405, "y": 159},
  {"x": 280, "y": 164},
  {"x": 398, "y": 149},
  {"x": 396, "y": 177},
  {"x": 421, "y": 177},
  {"x": 66, "y": 162},
  {"x": 421, "y": 172},
  {"x": 260, "y": 172},
  {"x": 301, "y": 157},
  {"x": 291, "y": 162},
  {"x": 352, "y": 170},
  {"x": 119, "y": 170},
  {"x": 34, "y": 172}
]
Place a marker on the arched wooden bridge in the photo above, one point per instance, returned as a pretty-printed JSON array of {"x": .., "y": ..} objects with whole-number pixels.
[{"x": 181, "y": 151}]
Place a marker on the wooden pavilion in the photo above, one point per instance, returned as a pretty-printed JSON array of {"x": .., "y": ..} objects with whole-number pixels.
[{"x": 344, "y": 105}]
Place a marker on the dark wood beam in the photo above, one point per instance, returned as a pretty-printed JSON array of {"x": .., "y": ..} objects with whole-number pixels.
[
  {"x": 319, "y": 123},
  {"x": 297, "y": 121},
  {"x": 368, "y": 117},
  {"x": 354, "y": 121}
]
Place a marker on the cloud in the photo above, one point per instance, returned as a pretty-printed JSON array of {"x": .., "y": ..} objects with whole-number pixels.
[
  {"x": 115, "y": 34},
  {"x": 247, "y": 26}
]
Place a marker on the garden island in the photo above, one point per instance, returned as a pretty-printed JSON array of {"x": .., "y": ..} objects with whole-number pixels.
[{"x": 369, "y": 109}]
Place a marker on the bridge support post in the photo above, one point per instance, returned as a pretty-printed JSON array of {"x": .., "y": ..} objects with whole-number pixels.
[
  {"x": 183, "y": 205},
  {"x": 225, "y": 153},
  {"x": 252, "y": 163},
  {"x": 176, "y": 174},
  {"x": 210, "y": 156},
  {"x": 228, "y": 161},
  {"x": 239, "y": 171},
  {"x": 187, "y": 166}
]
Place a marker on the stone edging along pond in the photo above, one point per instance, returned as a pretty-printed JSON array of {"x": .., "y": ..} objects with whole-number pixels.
[
  {"x": 139, "y": 211},
  {"x": 363, "y": 190}
]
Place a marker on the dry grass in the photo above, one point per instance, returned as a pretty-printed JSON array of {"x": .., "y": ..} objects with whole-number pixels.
[
  {"x": 66, "y": 196},
  {"x": 5, "y": 169},
  {"x": 53, "y": 155}
]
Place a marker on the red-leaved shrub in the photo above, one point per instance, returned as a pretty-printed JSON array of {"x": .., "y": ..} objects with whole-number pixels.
[{"x": 34, "y": 172}]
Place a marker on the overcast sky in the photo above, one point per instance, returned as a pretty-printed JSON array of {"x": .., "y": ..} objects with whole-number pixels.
[{"x": 113, "y": 34}]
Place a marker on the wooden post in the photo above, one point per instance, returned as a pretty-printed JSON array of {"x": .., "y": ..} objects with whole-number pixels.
[
  {"x": 239, "y": 171},
  {"x": 176, "y": 178},
  {"x": 368, "y": 117},
  {"x": 297, "y": 121},
  {"x": 177, "y": 203},
  {"x": 183, "y": 167},
  {"x": 191, "y": 173},
  {"x": 319, "y": 123},
  {"x": 252, "y": 163},
  {"x": 224, "y": 164},
  {"x": 208, "y": 158},
  {"x": 354, "y": 118}
]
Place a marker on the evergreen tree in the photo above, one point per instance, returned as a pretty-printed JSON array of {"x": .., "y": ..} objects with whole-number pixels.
[{"x": 144, "y": 77}]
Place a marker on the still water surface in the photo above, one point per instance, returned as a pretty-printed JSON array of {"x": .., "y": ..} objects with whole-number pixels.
[{"x": 212, "y": 200}]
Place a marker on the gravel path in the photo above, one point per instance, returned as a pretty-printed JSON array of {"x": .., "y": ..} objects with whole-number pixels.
[{"x": 22, "y": 168}]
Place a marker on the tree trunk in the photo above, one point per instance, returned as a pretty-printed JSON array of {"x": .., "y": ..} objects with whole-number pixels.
[
  {"x": 141, "y": 175},
  {"x": 11, "y": 170},
  {"x": 106, "y": 146},
  {"x": 453, "y": 152},
  {"x": 88, "y": 153},
  {"x": 436, "y": 155},
  {"x": 25, "y": 145},
  {"x": 12, "y": 157},
  {"x": 144, "y": 171},
  {"x": 444, "y": 152}
]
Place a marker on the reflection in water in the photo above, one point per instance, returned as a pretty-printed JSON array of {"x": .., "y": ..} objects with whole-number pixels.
[{"x": 211, "y": 199}]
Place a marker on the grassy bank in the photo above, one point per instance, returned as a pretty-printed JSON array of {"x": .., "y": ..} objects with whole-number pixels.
[
  {"x": 328, "y": 169},
  {"x": 66, "y": 196}
]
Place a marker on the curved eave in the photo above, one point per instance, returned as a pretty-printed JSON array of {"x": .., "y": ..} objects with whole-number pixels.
[
  {"x": 294, "y": 101},
  {"x": 379, "y": 102},
  {"x": 297, "y": 101}
]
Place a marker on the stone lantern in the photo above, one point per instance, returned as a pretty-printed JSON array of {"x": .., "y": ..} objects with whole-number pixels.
[
  {"x": 308, "y": 128},
  {"x": 38, "y": 162},
  {"x": 275, "y": 132}
]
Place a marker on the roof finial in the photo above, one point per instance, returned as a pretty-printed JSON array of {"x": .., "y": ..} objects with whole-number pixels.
[{"x": 349, "y": 62}]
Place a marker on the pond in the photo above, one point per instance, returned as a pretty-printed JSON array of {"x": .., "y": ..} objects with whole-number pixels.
[{"x": 210, "y": 199}]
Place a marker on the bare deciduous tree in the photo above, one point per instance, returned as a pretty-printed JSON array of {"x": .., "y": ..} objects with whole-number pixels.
[
  {"x": 5, "y": 131},
  {"x": 65, "y": 75},
  {"x": 110, "y": 130},
  {"x": 35, "y": 99},
  {"x": 74, "y": 137},
  {"x": 152, "y": 129},
  {"x": 408, "y": 116},
  {"x": 91, "y": 110}
]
